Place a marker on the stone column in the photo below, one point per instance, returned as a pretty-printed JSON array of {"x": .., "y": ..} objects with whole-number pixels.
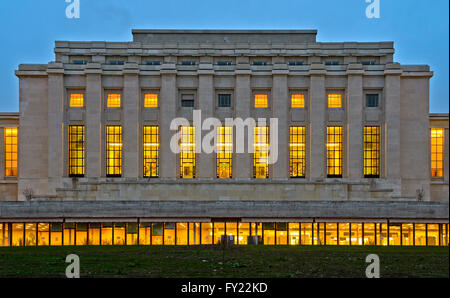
[
  {"x": 168, "y": 107},
  {"x": 93, "y": 126},
  {"x": 206, "y": 162},
  {"x": 131, "y": 166},
  {"x": 354, "y": 110},
  {"x": 243, "y": 167},
  {"x": 280, "y": 110},
  {"x": 55, "y": 124},
  {"x": 392, "y": 113},
  {"x": 317, "y": 131}
]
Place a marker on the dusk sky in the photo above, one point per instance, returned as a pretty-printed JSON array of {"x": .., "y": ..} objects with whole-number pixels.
[{"x": 418, "y": 28}]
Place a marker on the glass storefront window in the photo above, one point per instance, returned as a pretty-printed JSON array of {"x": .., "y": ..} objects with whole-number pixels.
[
  {"x": 17, "y": 234},
  {"x": 356, "y": 230},
  {"x": 294, "y": 235},
  {"x": 408, "y": 234},
  {"x": 56, "y": 234},
  {"x": 433, "y": 235},
  {"x": 30, "y": 234},
  {"x": 157, "y": 233},
  {"x": 194, "y": 233},
  {"x": 282, "y": 234},
  {"x": 369, "y": 234},
  {"x": 107, "y": 233},
  {"x": 219, "y": 231},
  {"x": 169, "y": 233},
  {"x": 306, "y": 234},
  {"x": 69, "y": 233},
  {"x": 269, "y": 233},
  {"x": 394, "y": 234},
  {"x": 331, "y": 234},
  {"x": 420, "y": 234},
  {"x": 232, "y": 231},
  {"x": 119, "y": 234},
  {"x": 244, "y": 232},
  {"x": 132, "y": 233},
  {"x": 43, "y": 233},
  {"x": 94, "y": 234},
  {"x": 207, "y": 232},
  {"x": 81, "y": 234},
  {"x": 145, "y": 233},
  {"x": 344, "y": 234},
  {"x": 182, "y": 233}
]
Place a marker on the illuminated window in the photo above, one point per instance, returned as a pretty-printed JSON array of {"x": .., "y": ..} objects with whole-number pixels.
[
  {"x": 371, "y": 151},
  {"x": 334, "y": 151},
  {"x": 187, "y": 153},
  {"x": 334, "y": 101},
  {"x": 297, "y": 146},
  {"x": 437, "y": 152},
  {"x": 297, "y": 101},
  {"x": 151, "y": 151},
  {"x": 113, "y": 150},
  {"x": 261, "y": 152},
  {"x": 113, "y": 100},
  {"x": 76, "y": 100},
  {"x": 151, "y": 100},
  {"x": 261, "y": 101},
  {"x": 11, "y": 151},
  {"x": 224, "y": 151},
  {"x": 76, "y": 150}
]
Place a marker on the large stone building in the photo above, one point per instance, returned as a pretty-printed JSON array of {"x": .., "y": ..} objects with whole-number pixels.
[{"x": 87, "y": 160}]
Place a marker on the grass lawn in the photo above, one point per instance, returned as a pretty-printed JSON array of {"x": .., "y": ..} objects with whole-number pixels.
[{"x": 207, "y": 261}]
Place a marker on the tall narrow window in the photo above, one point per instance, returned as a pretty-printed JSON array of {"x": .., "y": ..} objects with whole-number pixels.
[
  {"x": 437, "y": 152},
  {"x": 297, "y": 101},
  {"x": 297, "y": 144},
  {"x": 187, "y": 153},
  {"x": 11, "y": 151},
  {"x": 151, "y": 151},
  {"x": 114, "y": 151},
  {"x": 261, "y": 101},
  {"x": 76, "y": 150},
  {"x": 113, "y": 100},
  {"x": 371, "y": 151},
  {"x": 150, "y": 100},
  {"x": 76, "y": 100},
  {"x": 334, "y": 101},
  {"x": 334, "y": 151},
  {"x": 224, "y": 151},
  {"x": 261, "y": 152}
]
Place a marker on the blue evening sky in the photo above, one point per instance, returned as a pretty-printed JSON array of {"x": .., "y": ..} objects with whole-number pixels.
[{"x": 419, "y": 28}]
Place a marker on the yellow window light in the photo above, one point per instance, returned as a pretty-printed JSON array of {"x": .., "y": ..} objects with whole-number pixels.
[
  {"x": 151, "y": 100},
  {"x": 11, "y": 158},
  {"x": 334, "y": 101},
  {"x": 297, "y": 101},
  {"x": 261, "y": 101},
  {"x": 437, "y": 152},
  {"x": 113, "y": 100},
  {"x": 76, "y": 100}
]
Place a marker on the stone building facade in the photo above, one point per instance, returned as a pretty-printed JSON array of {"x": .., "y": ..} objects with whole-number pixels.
[{"x": 354, "y": 88}]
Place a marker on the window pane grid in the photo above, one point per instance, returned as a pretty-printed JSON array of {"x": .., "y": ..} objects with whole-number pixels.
[
  {"x": 151, "y": 100},
  {"x": 437, "y": 152},
  {"x": 334, "y": 101},
  {"x": 187, "y": 153},
  {"x": 260, "y": 100},
  {"x": 11, "y": 139},
  {"x": 261, "y": 152},
  {"x": 76, "y": 150},
  {"x": 334, "y": 151},
  {"x": 113, "y": 100},
  {"x": 76, "y": 100},
  {"x": 114, "y": 150},
  {"x": 297, "y": 100},
  {"x": 224, "y": 151},
  {"x": 297, "y": 155},
  {"x": 151, "y": 151},
  {"x": 372, "y": 151}
]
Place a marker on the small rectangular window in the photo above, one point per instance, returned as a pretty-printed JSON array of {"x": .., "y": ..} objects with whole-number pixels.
[
  {"x": 116, "y": 62},
  {"x": 297, "y": 153},
  {"x": 151, "y": 151},
  {"x": 334, "y": 151},
  {"x": 334, "y": 101},
  {"x": 331, "y": 62},
  {"x": 261, "y": 101},
  {"x": 76, "y": 100},
  {"x": 260, "y": 63},
  {"x": 437, "y": 152},
  {"x": 188, "y": 63},
  {"x": 371, "y": 100},
  {"x": 295, "y": 63},
  {"x": 224, "y": 100},
  {"x": 80, "y": 62},
  {"x": 368, "y": 62},
  {"x": 151, "y": 100},
  {"x": 11, "y": 140},
  {"x": 224, "y": 151},
  {"x": 371, "y": 151},
  {"x": 153, "y": 63},
  {"x": 187, "y": 152},
  {"x": 114, "y": 151},
  {"x": 261, "y": 152},
  {"x": 297, "y": 101},
  {"x": 224, "y": 63},
  {"x": 187, "y": 100},
  {"x": 76, "y": 150},
  {"x": 113, "y": 100}
]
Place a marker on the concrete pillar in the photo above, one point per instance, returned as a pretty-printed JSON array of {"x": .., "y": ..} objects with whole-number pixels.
[
  {"x": 168, "y": 107},
  {"x": 131, "y": 166},
  {"x": 354, "y": 109},
  {"x": 93, "y": 129},
  {"x": 392, "y": 114},
  {"x": 243, "y": 167},
  {"x": 317, "y": 133},
  {"x": 280, "y": 111},
  {"x": 56, "y": 127},
  {"x": 206, "y": 162}
]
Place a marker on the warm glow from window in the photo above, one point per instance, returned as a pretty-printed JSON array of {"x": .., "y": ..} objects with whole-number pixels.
[
  {"x": 261, "y": 152},
  {"x": 437, "y": 152},
  {"x": 151, "y": 100},
  {"x": 334, "y": 101},
  {"x": 224, "y": 151},
  {"x": 151, "y": 151},
  {"x": 76, "y": 150},
  {"x": 113, "y": 150},
  {"x": 11, "y": 138},
  {"x": 76, "y": 100},
  {"x": 113, "y": 100},
  {"x": 261, "y": 101},
  {"x": 297, "y": 101},
  {"x": 187, "y": 153},
  {"x": 371, "y": 151},
  {"x": 297, "y": 151},
  {"x": 334, "y": 151}
]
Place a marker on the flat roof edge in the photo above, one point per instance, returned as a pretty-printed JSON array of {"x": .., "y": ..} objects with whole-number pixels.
[{"x": 221, "y": 31}]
